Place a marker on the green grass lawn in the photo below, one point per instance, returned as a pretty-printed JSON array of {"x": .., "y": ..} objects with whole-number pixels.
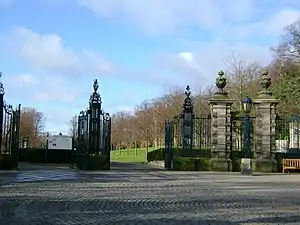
[{"x": 138, "y": 155}]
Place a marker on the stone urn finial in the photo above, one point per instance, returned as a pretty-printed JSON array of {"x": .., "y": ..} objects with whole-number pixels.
[
  {"x": 265, "y": 83},
  {"x": 221, "y": 82}
]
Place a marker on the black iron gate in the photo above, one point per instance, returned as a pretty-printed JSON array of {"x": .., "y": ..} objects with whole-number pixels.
[
  {"x": 9, "y": 132},
  {"x": 237, "y": 134},
  {"x": 82, "y": 141},
  {"x": 187, "y": 135},
  {"x": 287, "y": 133},
  {"x": 169, "y": 138},
  {"x": 94, "y": 134}
]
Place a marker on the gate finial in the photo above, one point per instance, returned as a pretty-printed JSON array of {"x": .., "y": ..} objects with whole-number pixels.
[
  {"x": 187, "y": 101},
  {"x": 187, "y": 91},
  {"x": 95, "y": 85},
  {"x": 95, "y": 96}
]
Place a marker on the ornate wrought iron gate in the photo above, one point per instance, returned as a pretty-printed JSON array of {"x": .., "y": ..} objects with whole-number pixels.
[
  {"x": 94, "y": 132},
  {"x": 237, "y": 133},
  {"x": 287, "y": 133},
  {"x": 187, "y": 134},
  {"x": 9, "y": 129}
]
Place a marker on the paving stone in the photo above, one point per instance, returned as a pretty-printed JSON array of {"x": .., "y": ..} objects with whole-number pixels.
[{"x": 141, "y": 195}]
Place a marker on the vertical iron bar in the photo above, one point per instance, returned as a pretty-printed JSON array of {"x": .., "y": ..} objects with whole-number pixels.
[{"x": 1, "y": 120}]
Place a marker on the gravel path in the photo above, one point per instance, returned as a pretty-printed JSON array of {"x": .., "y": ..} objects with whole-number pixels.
[{"x": 137, "y": 194}]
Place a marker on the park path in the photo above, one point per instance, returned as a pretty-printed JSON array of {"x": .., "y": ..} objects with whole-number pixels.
[{"x": 139, "y": 194}]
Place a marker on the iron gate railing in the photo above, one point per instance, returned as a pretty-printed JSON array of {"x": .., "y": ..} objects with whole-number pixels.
[
  {"x": 187, "y": 135},
  {"x": 287, "y": 133},
  {"x": 9, "y": 129},
  {"x": 237, "y": 131}
]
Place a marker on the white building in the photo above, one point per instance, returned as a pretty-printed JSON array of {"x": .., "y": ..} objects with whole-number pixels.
[{"x": 62, "y": 142}]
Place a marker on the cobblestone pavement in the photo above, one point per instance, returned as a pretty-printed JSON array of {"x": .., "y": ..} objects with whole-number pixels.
[{"x": 135, "y": 194}]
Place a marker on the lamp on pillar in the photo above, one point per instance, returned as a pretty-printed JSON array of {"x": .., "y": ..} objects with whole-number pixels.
[
  {"x": 247, "y": 105},
  {"x": 94, "y": 121},
  {"x": 246, "y": 164},
  {"x": 187, "y": 119},
  {"x": 106, "y": 146}
]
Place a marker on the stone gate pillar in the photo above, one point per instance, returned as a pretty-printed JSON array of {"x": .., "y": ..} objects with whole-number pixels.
[
  {"x": 221, "y": 127},
  {"x": 265, "y": 135}
]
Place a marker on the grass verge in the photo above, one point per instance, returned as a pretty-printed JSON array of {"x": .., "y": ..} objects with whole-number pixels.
[{"x": 138, "y": 155}]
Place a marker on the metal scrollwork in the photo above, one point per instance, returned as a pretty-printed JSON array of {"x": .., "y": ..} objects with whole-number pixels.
[
  {"x": 107, "y": 116},
  {"x": 95, "y": 85},
  {"x": 95, "y": 97},
  {"x": 187, "y": 101},
  {"x": 82, "y": 113},
  {"x": 8, "y": 108}
]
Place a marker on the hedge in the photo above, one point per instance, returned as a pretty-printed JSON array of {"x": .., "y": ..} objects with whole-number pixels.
[
  {"x": 91, "y": 162},
  {"x": 199, "y": 159},
  {"x": 41, "y": 155},
  {"x": 156, "y": 155},
  {"x": 159, "y": 154},
  {"x": 191, "y": 164},
  {"x": 7, "y": 162}
]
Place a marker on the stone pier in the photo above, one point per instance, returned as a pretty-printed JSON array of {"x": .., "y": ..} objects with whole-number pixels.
[
  {"x": 221, "y": 106},
  {"x": 265, "y": 135}
]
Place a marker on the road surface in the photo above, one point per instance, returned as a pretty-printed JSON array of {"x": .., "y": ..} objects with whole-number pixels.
[{"x": 138, "y": 194}]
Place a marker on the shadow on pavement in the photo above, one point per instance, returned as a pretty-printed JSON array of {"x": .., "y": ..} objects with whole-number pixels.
[{"x": 113, "y": 211}]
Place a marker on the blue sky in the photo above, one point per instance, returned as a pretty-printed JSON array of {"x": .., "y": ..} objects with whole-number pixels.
[{"x": 51, "y": 50}]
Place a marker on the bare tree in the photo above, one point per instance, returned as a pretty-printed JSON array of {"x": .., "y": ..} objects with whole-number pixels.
[
  {"x": 32, "y": 126},
  {"x": 289, "y": 47},
  {"x": 73, "y": 131},
  {"x": 243, "y": 78}
]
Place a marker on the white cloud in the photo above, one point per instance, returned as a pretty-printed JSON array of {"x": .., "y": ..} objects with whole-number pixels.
[
  {"x": 47, "y": 53},
  {"x": 165, "y": 16},
  {"x": 40, "y": 88},
  {"x": 231, "y": 18},
  {"x": 156, "y": 16},
  {"x": 96, "y": 62},
  {"x": 25, "y": 79},
  {"x": 278, "y": 21},
  {"x": 200, "y": 61},
  {"x": 125, "y": 108},
  {"x": 201, "y": 65},
  {"x": 58, "y": 120},
  {"x": 54, "y": 89},
  {"x": 271, "y": 26},
  {"x": 57, "y": 95},
  {"x": 186, "y": 56}
]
